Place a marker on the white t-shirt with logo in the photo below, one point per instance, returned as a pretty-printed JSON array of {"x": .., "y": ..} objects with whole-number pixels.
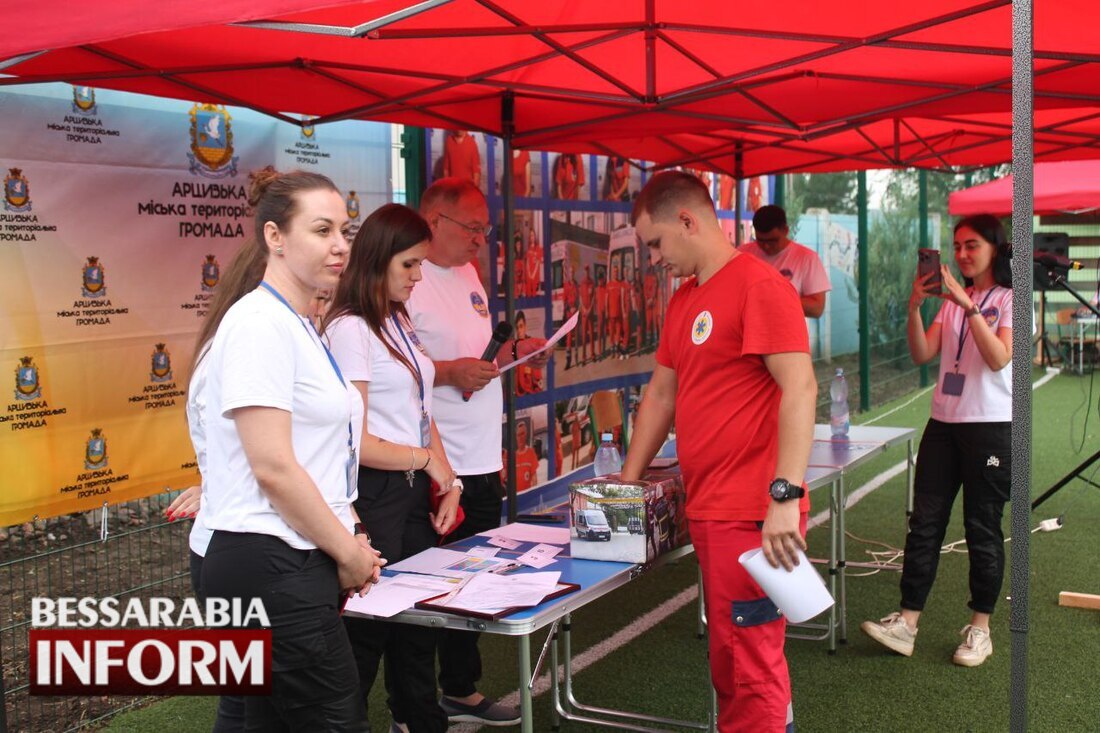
[
  {"x": 451, "y": 314},
  {"x": 799, "y": 264},
  {"x": 393, "y": 394},
  {"x": 199, "y": 539},
  {"x": 986, "y": 394},
  {"x": 265, "y": 355}
]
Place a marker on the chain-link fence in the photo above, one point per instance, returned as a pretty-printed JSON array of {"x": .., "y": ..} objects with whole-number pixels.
[{"x": 142, "y": 556}]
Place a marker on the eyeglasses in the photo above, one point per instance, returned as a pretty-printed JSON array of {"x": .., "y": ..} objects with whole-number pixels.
[{"x": 472, "y": 229}]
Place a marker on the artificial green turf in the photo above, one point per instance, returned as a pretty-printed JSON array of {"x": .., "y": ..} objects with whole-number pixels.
[{"x": 861, "y": 688}]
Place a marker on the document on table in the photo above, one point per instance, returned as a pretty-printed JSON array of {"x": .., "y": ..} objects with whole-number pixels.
[
  {"x": 558, "y": 336},
  {"x": 448, "y": 563},
  {"x": 490, "y": 593},
  {"x": 539, "y": 556},
  {"x": 530, "y": 533},
  {"x": 394, "y": 594}
]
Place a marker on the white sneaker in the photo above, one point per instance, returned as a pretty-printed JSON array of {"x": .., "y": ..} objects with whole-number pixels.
[
  {"x": 892, "y": 632},
  {"x": 977, "y": 646}
]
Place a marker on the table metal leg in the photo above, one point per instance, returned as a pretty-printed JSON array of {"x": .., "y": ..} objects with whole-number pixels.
[
  {"x": 555, "y": 688},
  {"x": 834, "y": 523},
  {"x": 841, "y": 562},
  {"x": 527, "y": 724}
]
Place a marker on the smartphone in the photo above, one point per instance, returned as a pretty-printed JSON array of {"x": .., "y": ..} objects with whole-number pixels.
[{"x": 928, "y": 260}]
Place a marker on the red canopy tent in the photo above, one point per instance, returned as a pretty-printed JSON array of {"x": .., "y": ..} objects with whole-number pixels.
[
  {"x": 1068, "y": 187},
  {"x": 817, "y": 87}
]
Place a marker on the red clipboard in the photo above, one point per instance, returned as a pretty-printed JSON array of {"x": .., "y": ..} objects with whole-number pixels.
[{"x": 429, "y": 604}]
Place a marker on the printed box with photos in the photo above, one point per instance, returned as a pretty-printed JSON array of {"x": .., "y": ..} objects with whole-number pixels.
[{"x": 627, "y": 521}]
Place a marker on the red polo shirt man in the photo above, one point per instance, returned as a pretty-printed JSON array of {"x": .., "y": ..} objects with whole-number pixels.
[{"x": 734, "y": 363}]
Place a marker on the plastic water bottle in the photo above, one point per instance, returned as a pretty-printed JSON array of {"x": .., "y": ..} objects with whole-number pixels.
[
  {"x": 608, "y": 460},
  {"x": 838, "y": 410}
]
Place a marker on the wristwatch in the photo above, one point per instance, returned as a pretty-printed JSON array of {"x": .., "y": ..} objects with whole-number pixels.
[
  {"x": 361, "y": 529},
  {"x": 973, "y": 310},
  {"x": 457, "y": 484},
  {"x": 783, "y": 490}
]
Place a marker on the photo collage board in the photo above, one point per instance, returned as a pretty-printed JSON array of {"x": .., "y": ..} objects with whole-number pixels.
[{"x": 575, "y": 252}]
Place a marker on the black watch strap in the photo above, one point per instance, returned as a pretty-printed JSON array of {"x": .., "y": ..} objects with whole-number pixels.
[{"x": 361, "y": 528}]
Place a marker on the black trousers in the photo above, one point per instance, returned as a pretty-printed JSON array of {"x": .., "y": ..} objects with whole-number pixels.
[
  {"x": 459, "y": 657},
  {"x": 314, "y": 684},
  {"x": 231, "y": 714},
  {"x": 979, "y": 457},
  {"x": 396, "y": 516}
]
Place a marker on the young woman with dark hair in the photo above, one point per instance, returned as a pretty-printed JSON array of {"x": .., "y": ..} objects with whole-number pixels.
[
  {"x": 967, "y": 441},
  {"x": 279, "y": 433},
  {"x": 401, "y": 454}
]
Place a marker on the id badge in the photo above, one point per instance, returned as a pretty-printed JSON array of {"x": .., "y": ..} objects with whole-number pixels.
[
  {"x": 425, "y": 430},
  {"x": 353, "y": 472},
  {"x": 953, "y": 383}
]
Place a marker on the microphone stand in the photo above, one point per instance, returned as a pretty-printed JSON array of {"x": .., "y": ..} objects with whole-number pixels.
[{"x": 1057, "y": 276}]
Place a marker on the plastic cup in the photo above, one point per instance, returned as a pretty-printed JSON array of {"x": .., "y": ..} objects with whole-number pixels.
[{"x": 799, "y": 593}]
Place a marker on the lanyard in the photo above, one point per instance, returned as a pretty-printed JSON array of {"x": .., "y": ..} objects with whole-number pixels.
[
  {"x": 412, "y": 353},
  {"x": 962, "y": 329},
  {"x": 331, "y": 360}
]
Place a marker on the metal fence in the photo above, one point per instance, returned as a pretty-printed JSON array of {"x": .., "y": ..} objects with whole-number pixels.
[{"x": 142, "y": 556}]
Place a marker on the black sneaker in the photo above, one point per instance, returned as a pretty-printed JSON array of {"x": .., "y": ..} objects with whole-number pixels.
[{"x": 485, "y": 712}]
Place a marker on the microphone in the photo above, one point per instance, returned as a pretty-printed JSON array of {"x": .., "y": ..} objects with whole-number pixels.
[
  {"x": 501, "y": 333},
  {"x": 1054, "y": 261}
]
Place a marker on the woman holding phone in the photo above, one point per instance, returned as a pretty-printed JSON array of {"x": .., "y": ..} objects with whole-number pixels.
[
  {"x": 401, "y": 454},
  {"x": 967, "y": 441}
]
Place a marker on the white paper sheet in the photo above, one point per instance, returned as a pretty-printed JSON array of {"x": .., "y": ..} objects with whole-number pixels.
[
  {"x": 490, "y": 593},
  {"x": 394, "y": 594},
  {"x": 504, "y": 542},
  {"x": 530, "y": 533},
  {"x": 558, "y": 336},
  {"x": 448, "y": 563},
  {"x": 483, "y": 551},
  {"x": 539, "y": 556}
]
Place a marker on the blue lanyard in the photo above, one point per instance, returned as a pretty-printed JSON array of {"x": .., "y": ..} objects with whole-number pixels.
[
  {"x": 419, "y": 374},
  {"x": 331, "y": 360},
  {"x": 962, "y": 329}
]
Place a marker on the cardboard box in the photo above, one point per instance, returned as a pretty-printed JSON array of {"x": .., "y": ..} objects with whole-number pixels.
[{"x": 627, "y": 522}]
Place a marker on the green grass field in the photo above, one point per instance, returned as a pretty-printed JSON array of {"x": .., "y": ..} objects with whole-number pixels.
[{"x": 861, "y": 688}]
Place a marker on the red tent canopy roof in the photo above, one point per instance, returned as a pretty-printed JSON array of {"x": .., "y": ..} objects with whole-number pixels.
[
  {"x": 818, "y": 84},
  {"x": 1065, "y": 187}
]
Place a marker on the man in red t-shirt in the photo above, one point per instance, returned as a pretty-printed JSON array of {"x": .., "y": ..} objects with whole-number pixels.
[
  {"x": 649, "y": 291},
  {"x": 734, "y": 363},
  {"x": 588, "y": 295},
  {"x": 527, "y": 461},
  {"x": 601, "y": 317},
  {"x": 533, "y": 265}
]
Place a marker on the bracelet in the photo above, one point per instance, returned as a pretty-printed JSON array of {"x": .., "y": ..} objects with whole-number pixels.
[
  {"x": 412, "y": 459},
  {"x": 425, "y": 466}
]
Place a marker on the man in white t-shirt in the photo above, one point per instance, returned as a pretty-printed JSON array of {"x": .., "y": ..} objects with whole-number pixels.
[
  {"x": 450, "y": 313},
  {"x": 799, "y": 264}
]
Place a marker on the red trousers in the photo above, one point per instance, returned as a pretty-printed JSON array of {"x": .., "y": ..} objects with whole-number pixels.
[{"x": 746, "y": 632}]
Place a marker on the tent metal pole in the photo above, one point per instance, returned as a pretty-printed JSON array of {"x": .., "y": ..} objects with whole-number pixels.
[
  {"x": 1023, "y": 201},
  {"x": 922, "y": 237},
  {"x": 738, "y": 174},
  {"x": 864, "y": 293},
  {"x": 508, "y": 125},
  {"x": 781, "y": 191}
]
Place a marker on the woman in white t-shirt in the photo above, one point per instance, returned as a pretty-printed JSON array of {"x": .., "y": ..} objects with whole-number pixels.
[
  {"x": 281, "y": 426},
  {"x": 401, "y": 454},
  {"x": 968, "y": 439}
]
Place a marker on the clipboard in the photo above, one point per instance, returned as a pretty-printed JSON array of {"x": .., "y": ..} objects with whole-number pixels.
[{"x": 432, "y": 604}]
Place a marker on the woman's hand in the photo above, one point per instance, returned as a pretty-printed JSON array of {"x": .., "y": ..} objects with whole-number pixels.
[
  {"x": 439, "y": 468},
  {"x": 956, "y": 293},
  {"x": 379, "y": 562},
  {"x": 357, "y": 569},
  {"x": 922, "y": 288},
  {"x": 444, "y": 518},
  {"x": 185, "y": 505}
]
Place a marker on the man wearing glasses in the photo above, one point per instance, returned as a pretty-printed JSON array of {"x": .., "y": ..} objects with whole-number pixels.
[{"x": 450, "y": 313}]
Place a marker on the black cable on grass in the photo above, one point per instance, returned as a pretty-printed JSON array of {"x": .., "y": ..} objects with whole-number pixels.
[{"x": 1077, "y": 448}]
